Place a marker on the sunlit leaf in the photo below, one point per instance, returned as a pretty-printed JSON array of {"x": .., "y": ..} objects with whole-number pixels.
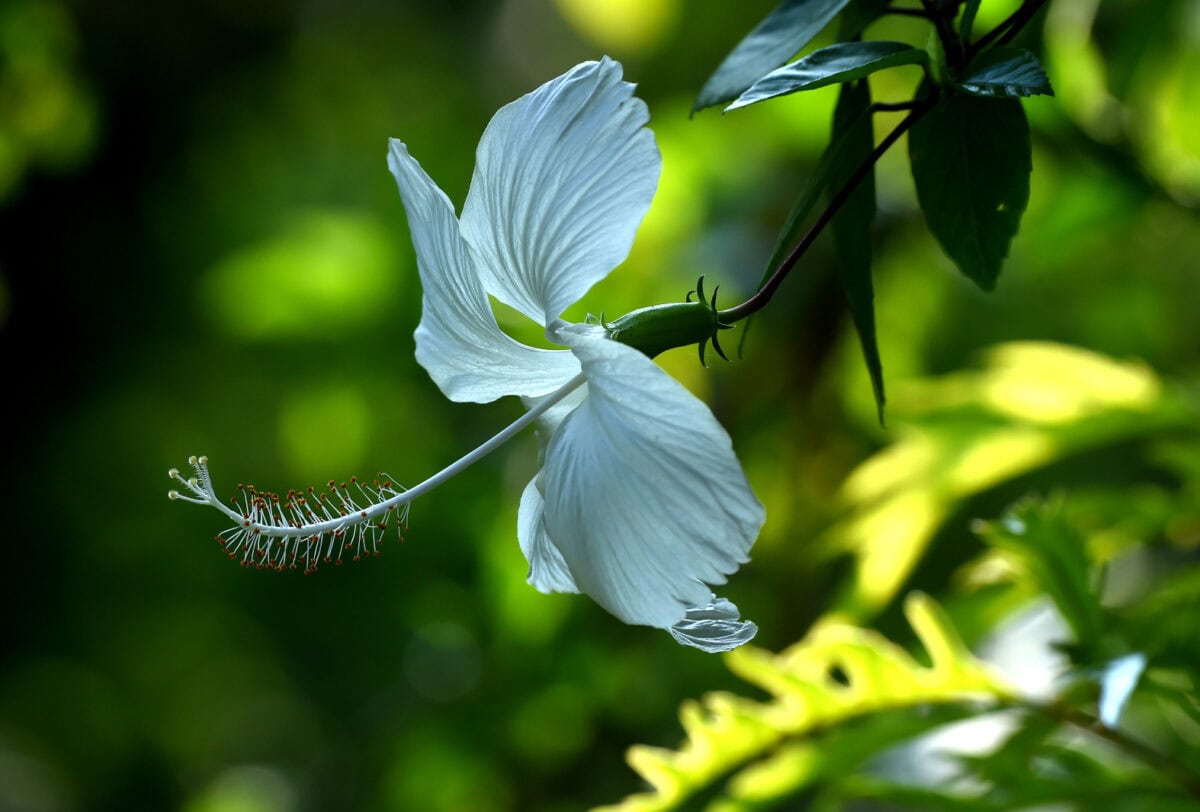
[
  {"x": 784, "y": 32},
  {"x": 961, "y": 434},
  {"x": 852, "y": 225},
  {"x": 837, "y": 675},
  {"x": 844, "y": 62},
  {"x": 971, "y": 160},
  {"x": 1007, "y": 72}
]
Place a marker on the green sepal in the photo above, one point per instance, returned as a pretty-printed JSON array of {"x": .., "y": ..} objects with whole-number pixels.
[{"x": 658, "y": 328}]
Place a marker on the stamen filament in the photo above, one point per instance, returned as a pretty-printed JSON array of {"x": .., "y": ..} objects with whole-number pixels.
[{"x": 304, "y": 529}]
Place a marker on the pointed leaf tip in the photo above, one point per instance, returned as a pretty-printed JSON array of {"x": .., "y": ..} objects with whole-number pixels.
[
  {"x": 852, "y": 130},
  {"x": 971, "y": 161},
  {"x": 1012, "y": 72},
  {"x": 783, "y": 33},
  {"x": 844, "y": 62}
]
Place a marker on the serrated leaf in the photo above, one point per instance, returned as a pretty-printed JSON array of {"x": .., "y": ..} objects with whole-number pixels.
[
  {"x": 729, "y": 734},
  {"x": 779, "y": 37},
  {"x": 844, "y": 62},
  {"x": 971, "y": 160},
  {"x": 1007, "y": 72},
  {"x": 852, "y": 224}
]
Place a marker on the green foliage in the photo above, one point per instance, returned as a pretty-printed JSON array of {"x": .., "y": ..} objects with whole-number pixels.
[
  {"x": 823, "y": 730},
  {"x": 195, "y": 202},
  {"x": 966, "y": 21},
  {"x": 1028, "y": 406},
  {"x": 1043, "y": 542},
  {"x": 852, "y": 225},
  {"x": 971, "y": 160},
  {"x": 836, "y": 676},
  {"x": 784, "y": 32},
  {"x": 1035, "y": 766},
  {"x": 838, "y": 64},
  {"x": 1007, "y": 72}
]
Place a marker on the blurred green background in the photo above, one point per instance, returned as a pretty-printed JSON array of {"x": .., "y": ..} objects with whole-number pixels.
[{"x": 201, "y": 251}]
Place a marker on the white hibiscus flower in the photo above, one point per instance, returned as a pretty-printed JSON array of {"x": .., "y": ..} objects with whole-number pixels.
[{"x": 640, "y": 503}]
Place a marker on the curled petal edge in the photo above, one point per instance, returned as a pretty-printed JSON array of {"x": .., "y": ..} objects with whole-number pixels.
[{"x": 714, "y": 628}]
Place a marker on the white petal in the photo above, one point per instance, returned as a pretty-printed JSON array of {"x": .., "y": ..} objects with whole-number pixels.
[
  {"x": 547, "y": 570},
  {"x": 547, "y": 424},
  {"x": 458, "y": 340},
  {"x": 563, "y": 177},
  {"x": 644, "y": 496},
  {"x": 714, "y": 627}
]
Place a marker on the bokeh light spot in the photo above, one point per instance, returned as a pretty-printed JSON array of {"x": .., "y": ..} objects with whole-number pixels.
[
  {"x": 622, "y": 26},
  {"x": 1053, "y": 383},
  {"x": 442, "y": 661},
  {"x": 325, "y": 273},
  {"x": 245, "y": 789},
  {"x": 323, "y": 432}
]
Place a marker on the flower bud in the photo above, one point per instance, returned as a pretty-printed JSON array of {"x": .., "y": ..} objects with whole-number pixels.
[{"x": 663, "y": 327}]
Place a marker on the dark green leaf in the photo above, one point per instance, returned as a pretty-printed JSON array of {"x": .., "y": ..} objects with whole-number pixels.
[
  {"x": 1007, "y": 72},
  {"x": 852, "y": 224},
  {"x": 784, "y": 33},
  {"x": 857, "y": 16},
  {"x": 971, "y": 160},
  {"x": 967, "y": 22},
  {"x": 844, "y": 62}
]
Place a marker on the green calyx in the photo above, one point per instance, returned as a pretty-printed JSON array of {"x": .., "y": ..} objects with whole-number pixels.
[{"x": 663, "y": 327}]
